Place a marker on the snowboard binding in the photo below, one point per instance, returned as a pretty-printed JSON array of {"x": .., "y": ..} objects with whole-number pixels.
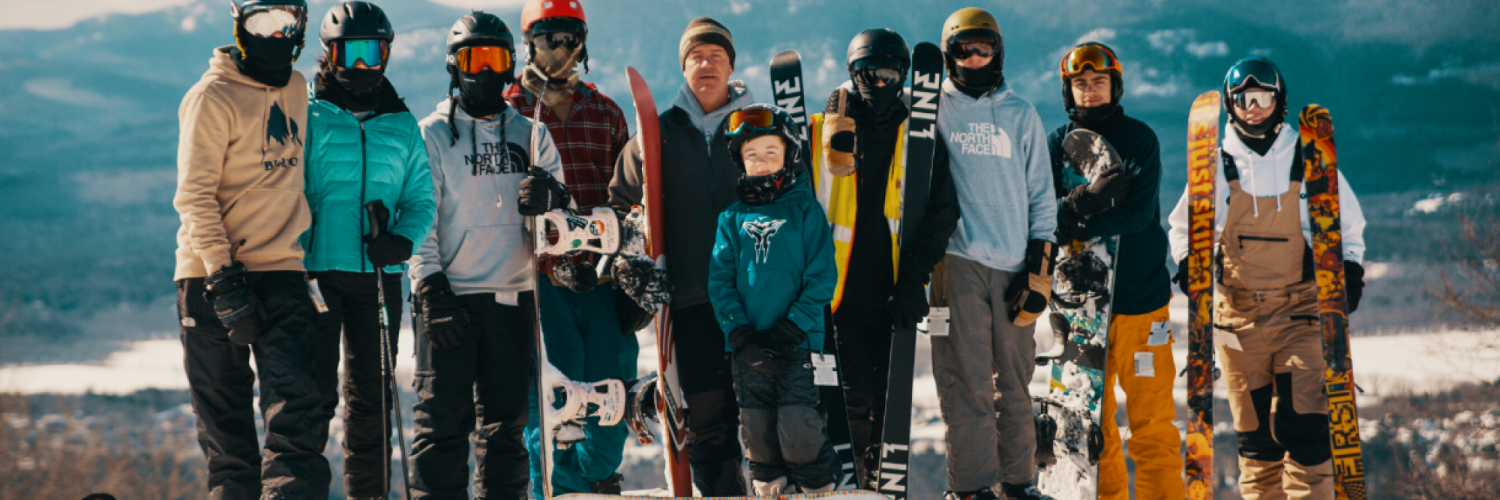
[{"x": 598, "y": 232}]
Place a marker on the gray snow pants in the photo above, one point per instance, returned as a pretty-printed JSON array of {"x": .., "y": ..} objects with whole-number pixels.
[{"x": 982, "y": 369}]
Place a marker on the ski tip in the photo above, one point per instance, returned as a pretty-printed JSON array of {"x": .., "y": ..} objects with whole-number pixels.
[
  {"x": 926, "y": 48},
  {"x": 786, "y": 56}
]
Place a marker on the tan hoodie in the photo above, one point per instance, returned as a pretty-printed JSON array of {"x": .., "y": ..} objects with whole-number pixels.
[{"x": 239, "y": 172}]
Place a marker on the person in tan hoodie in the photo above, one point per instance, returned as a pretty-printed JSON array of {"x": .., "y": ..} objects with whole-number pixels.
[{"x": 239, "y": 274}]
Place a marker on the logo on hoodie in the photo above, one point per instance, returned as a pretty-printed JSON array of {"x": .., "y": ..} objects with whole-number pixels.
[
  {"x": 762, "y": 230},
  {"x": 281, "y": 129},
  {"x": 493, "y": 158},
  {"x": 982, "y": 139}
]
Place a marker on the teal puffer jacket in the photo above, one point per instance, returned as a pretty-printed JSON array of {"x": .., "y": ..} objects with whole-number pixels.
[{"x": 351, "y": 162}]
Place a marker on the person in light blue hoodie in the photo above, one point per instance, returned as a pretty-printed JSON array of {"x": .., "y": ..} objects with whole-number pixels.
[{"x": 999, "y": 265}]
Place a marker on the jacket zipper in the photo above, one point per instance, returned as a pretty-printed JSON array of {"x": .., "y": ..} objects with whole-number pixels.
[{"x": 364, "y": 170}]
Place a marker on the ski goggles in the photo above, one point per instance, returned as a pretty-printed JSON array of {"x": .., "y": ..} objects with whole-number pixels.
[
  {"x": 472, "y": 60},
  {"x": 1265, "y": 99},
  {"x": 871, "y": 70},
  {"x": 1089, "y": 56},
  {"x": 347, "y": 53},
  {"x": 756, "y": 119},
  {"x": 973, "y": 43},
  {"x": 1252, "y": 76},
  {"x": 552, "y": 33},
  {"x": 267, "y": 21}
]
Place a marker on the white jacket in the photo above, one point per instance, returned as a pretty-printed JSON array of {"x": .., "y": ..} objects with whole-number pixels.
[
  {"x": 1269, "y": 176},
  {"x": 479, "y": 238}
]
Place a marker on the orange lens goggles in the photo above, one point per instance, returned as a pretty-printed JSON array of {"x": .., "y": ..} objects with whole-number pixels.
[
  {"x": 1089, "y": 56},
  {"x": 757, "y": 119},
  {"x": 472, "y": 60}
]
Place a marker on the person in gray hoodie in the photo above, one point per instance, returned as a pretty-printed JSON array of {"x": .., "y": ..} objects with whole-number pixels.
[
  {"x": 999, "y": 265},
  {"x": 698, "y": 178},
  {"x": 472, "y": 310}
]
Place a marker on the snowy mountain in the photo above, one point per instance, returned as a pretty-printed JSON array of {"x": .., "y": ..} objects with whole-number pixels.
[{"x": 87, "y": 146}]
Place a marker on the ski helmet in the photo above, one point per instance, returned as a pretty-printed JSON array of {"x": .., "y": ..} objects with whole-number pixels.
[
  {"x": 555, "y": 16},
  {"x": 878, "y": 56},
  {"x": 757, "y": 120},
  {"x": 1095, "y": 56},
  {"x": 880, "y": 42},
  {"x": 355, "y": 20},
  {"x": 480, "y": 29},
  {"x": 241, "y": 10},
  {"x": 971, "y": 22},
  {"x": 1255, "y": 73}
]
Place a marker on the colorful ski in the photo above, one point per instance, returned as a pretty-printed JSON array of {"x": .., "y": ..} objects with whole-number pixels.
[
  {"x": 921, "y": 137},
  {"x": 648, "y": 132},
  {"x": 1322, "y": 187},
  {"x": 1203, "y": 168},
  {"x": 786, "y": 85},
  {"x": 1082, "y": 295}
]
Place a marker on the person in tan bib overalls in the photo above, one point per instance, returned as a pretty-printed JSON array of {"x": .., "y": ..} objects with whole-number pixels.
[{"x": 1266, "y": 327}]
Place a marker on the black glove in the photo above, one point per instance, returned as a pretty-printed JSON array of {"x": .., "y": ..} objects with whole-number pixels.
[
  {"x": 1107, "y": 191},
  {"x": 638, "y": 277},
  {"x": 1070, "y": 231},
  {"x": 755, "y": 351},
  {"x": 438, "y": 309},
  {"x": 577, "y": 276},
  {"x": 632, "y": 317},
  {"x": 1354, "y": 284},
  {"x": 1181, "y": 278},
  {"x": 540, "y": 193},
  {"x": 784, "y": 334},
  {"x": 388, "y": 250},
  {"x": 908, "y": 302},
  {"x": 1029, "y": 291},
  {"x": 236, "y": 306}
]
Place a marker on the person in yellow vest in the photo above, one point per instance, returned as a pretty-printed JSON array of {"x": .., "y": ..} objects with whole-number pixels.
[{"x": 858, "y": 146}]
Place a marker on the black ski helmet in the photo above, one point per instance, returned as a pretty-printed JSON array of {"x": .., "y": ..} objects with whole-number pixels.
[
  {"x": 1255, "y": 72},
  {"x": 781, "y": 126},
  {"x": 242, "y": 9},
  {"x": 879, "y": 42},
  {"x": 1116, "y": 73},
  {"x": 355, "y": 20},
  {"x": 764, "y": 189},
  {"x": 477, "y": 29}
]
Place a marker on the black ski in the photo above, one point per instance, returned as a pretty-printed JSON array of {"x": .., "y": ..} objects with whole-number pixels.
[
  {"x": 786, "y": 86},
  {"x": 921, "y": 136}
]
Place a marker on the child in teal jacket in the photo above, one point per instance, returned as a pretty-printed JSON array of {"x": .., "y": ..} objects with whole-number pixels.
[{"x": 770, "y": 280}]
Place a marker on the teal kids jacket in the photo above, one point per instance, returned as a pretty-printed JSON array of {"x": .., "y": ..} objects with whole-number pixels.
[
  {"x": 351, "y": 162},
  {"x": 772, "y": 261}
]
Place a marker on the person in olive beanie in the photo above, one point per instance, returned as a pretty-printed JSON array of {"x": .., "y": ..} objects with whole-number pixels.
[{"x": 704, "y": 30}]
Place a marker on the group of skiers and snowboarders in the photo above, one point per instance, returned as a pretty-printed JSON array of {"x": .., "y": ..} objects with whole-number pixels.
[{"x": 301, "y": 204}]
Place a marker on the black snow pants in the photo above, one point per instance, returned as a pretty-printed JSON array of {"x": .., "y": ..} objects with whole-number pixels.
[{"x": 713, "y": 416}]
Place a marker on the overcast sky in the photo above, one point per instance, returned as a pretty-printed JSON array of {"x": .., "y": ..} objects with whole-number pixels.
[{"x": 52, "y": 14}]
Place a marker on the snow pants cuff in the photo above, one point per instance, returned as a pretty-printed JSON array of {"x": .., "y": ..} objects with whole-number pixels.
[{"x": 221, "y": 389}]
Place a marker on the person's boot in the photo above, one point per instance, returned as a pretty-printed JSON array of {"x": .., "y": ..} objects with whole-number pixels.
[
  {"x": 982, "y": 494},
  {"x": 778, "y": 486},
  {"x": 608, "y": 486},
  {"x": 1025, "y": 491}
]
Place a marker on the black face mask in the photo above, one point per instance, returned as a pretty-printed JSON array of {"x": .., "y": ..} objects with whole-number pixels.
[
  {"x": 1099, "y": 119},
  {"x": 985, "y": 77},
  {"x": 482, "y": 94},
  {"x": 765, "y": 189},
  {"x": 879, "y": 98},
  {"x": 266, "y": 60},
  {"x": 363, "y": 83}
]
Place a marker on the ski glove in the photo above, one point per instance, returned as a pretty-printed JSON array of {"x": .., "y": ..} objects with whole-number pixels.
[
  {"x": 577, "y": 276},
  {"x": 1181, "y": 278},
  {"x": 638, "y": 277},
  {"x": 908, "y": 303},
  {"x": 1107, "y": 191},
  {"x": 388, "y": 249},
  {"x": 1354, "y": 284},
  {"x": 785, "y": 335},
  {"x": 753, "y": 349},
  {"x": 236, "y": 306},
  {"x": 1071, "y": 231},
  {"x": 540, "y": 193},
  {"x": 438, "y": 310},
  {"x": 1028, "y": 292},
  {"x": 632, "y": 317},
  {"x": 838, "y": 134}
]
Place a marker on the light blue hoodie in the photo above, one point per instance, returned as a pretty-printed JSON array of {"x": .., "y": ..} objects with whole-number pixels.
[
  {"x": 997, "y": 150},
  {"x": 478, "y": 238}
]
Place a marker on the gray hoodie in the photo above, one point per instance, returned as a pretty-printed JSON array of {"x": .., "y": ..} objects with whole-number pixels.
[
  {"x": 1002, "y": 169},
  {"x": 478, "y": 237},
  {"x": 707, "y": 123}
]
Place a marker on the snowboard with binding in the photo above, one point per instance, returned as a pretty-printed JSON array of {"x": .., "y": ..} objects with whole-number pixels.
[
  {"x": 1203, "y": 168},
  {"x": 921, "y": 137},
  {"x": 786, "y": 85},
  {"x": 1082, "y": 295},
  {"x": 670, "y": 404},
  {"x": 1321, "y": 182}
]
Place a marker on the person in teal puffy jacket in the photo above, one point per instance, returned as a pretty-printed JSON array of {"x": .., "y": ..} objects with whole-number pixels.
[
  {"x": 770, "y": 280},
  {"x": 363, "y": 145}
]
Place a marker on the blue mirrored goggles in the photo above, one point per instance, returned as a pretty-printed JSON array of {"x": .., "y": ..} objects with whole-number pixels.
[{"x": 348, "y": 53}]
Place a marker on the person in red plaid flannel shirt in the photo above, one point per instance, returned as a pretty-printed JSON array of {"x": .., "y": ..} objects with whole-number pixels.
[{"x": 591, "y": 324}]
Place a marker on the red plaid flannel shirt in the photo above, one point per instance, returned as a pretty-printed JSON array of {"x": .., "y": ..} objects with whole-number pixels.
[{"x": 589, "y": 144}]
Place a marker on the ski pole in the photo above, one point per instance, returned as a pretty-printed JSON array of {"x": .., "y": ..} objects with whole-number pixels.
[{"x": 377, "y": 212}]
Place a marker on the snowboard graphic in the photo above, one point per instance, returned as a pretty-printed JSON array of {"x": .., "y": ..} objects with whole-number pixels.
[
  {"x": 921, "y": 137},
  {"x": 1322, "y": 186},
  {"x": 1082, "y": 292},
  {"x": 1203, "y": 167},
  {"x": 648, "y": 132}
]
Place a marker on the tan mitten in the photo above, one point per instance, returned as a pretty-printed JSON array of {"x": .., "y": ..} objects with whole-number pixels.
[{"x": 838, "y": 134}]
